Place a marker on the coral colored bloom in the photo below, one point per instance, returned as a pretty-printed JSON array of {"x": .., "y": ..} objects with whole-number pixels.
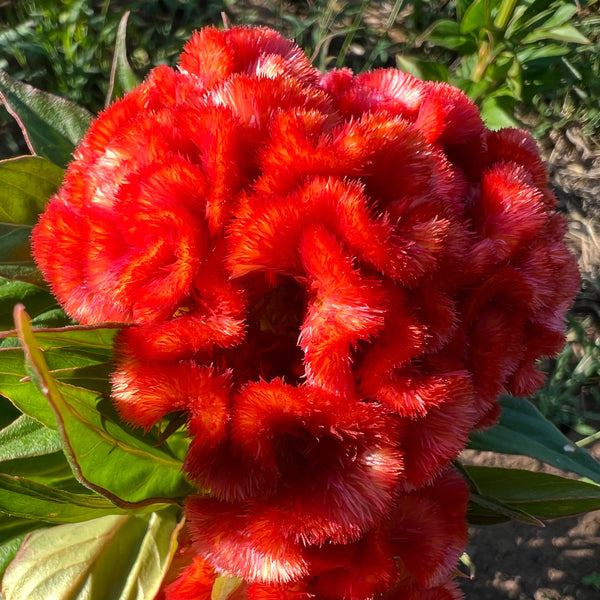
[
  {"x": 194, "y": 582},
  {"x": 331, "y": 278}
]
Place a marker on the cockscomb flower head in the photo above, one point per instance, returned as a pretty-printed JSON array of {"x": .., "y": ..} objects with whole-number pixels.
[{"x": 332, "y": 278}]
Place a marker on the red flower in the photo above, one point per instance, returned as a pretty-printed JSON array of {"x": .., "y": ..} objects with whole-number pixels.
[
  {"x": 194, "y": 582},
  {"x": 313, "y": 468},
  {"x": 332, "y": 277}
]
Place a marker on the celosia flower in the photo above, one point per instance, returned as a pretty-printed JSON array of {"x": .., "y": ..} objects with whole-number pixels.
[
  {"x": 194, "y": 581},
  {"x": 332, "y": 277}
]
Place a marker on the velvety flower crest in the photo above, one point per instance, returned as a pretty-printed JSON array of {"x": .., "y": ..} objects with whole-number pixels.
[{"x": 330, "y": 278}]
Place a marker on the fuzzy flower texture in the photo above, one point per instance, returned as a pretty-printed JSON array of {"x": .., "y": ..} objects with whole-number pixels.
[{"x": 332, "y": 277}]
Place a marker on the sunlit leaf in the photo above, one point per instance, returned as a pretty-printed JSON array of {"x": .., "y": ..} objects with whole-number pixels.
[
  {"x": 52, "y": 126},
  {"x": 119, "y": 557},
  {"x": 103, "y": 455},
  {"x": 497, "y": 112},
  {"x": 27, "y": 437},
  {"x": 90, "y": 338},
  {"x": 540, "y": 495},
  {"x": 12, "y": 533},
  {"x": 25, "y": 498},
  {"x": 474, "y": 17},
  {"x": 523, "y": 430},
  {"x": 561, "y": 15},
  {"x": 226, "y": 587}
]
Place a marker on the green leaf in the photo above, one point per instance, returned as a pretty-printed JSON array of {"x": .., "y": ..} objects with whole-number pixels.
[
  {"x": 540, "y": 495},
  {"x": 26, "y": 437},
  {"x": 523, "y": 430},
  {"x": 493, "y": 506},
  {"x": 497, "y": 111},
  {"x": 545, "y": 51},
  {"x": 51, "y": 470},
  {"x": 104, "y": 456},
  {"x": 39, "y": 302},
  {"x": 8, "y": 412},
  {"x": 448, "y": 34},
  {"x": 25, "y": 498},
  {"x": 12, "y": 527},
  {"x": 122, "y": 77},
  {"x": 226, "y": 587},
  {"x": 474, "y": 18},
  {"x": 26, "y": 183},
  {"x": 92, "y": 338},
  {"x": 8, "y": 551},
  {"x": 121, "y": 557},
  {"x": 77, "y": 355},
  {"x": 560, "y": 33},
  {"x": 23, "y": 393},
  {"x": 423, "y": 69},
  {"x": 52, "y": 126},
  {"x": 561, "y": 15},
  {"x": 12, "y": 533}
]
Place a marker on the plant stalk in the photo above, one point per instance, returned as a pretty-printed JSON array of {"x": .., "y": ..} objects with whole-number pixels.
[{"x": 507, "y": 9}]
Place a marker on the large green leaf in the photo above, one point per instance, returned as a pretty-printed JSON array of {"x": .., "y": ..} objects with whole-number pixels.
[
  {"x": 561, "y": 15},
  {"x": 26, "y": 183},
  {"x": 523, "y": 430},
  {"x": 103, "y": 455},
  {"x": 77, "y": 356},
  {"x": 52, "y": 126},
  {"x": 119, "y": 557},
  {"x": 540, "y": 495}
]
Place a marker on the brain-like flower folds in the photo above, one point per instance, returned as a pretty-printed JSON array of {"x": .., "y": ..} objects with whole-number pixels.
[{"x": 333, "y": 277}]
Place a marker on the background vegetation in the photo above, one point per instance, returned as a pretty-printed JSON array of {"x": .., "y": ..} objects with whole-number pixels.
[{"x": 531, "y": 63}]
